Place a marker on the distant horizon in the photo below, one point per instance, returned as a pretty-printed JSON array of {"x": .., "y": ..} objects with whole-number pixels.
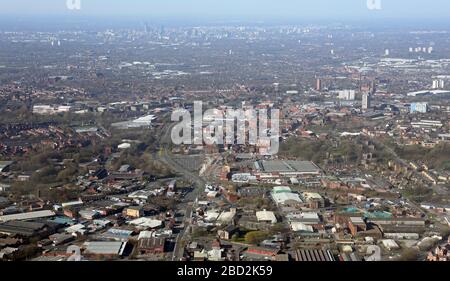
[
  {"x": 38, "y": 22},
  {"x": 95, "y": 14}
]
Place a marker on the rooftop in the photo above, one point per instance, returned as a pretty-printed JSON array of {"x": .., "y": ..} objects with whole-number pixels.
[
  {"x": 27, "y": 216},
  {"x": 266, "y": 216},
  {"x": 287, "y": 166},
  {"x": 105, "y": 248}
]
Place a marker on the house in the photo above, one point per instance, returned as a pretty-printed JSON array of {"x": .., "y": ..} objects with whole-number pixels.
[{"x": 228, "y": 232}]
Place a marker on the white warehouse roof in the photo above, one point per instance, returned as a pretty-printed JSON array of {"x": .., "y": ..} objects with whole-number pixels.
[
  {"x": 266, "y": 216},
  {"x": 105, "y": 248},
  {"x": 27, "y": 216},
  {"x": 282, "y": 198}
]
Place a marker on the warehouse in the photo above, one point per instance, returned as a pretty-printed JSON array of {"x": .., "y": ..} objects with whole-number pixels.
[
  {"x": 25, "y": 229},
  {"x": 104, "y": 248},
  {"x": 266, "y": 216},
  {"x": 314, "y": 255},
  {"x": 283, "y": 196},
  {"x": 27, "y": 216},
  {"x": 287, "y": 168}
]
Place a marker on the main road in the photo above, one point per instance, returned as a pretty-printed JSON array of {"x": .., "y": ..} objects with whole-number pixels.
[{"x": 189, "y": 200}]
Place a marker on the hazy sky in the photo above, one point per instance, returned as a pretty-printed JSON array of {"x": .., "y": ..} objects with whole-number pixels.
[{"x": 256, "y": 9}]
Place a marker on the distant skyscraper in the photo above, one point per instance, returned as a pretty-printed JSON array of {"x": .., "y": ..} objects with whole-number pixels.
[
  {"x": 318, "y": 84},
  {"x": 347, "y": 95},
  {"x": 438, "y": 84},
  {"x": 435, "y": 84},
  {"x": 373, "y": 87},
  {"x": 366, "y": 101}
]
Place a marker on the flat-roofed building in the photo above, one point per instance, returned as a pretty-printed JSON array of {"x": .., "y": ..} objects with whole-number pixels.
[
  {"x": 25, "y": 229},
  {"x": 283, "y": 196},
  {"x": 287, "y": 168},
  {"x": 27, "y": 216},
  {"x": 406, "y": 221},
  {"x": 266, "y": 216},
  {"x": 104, "y": 248}
]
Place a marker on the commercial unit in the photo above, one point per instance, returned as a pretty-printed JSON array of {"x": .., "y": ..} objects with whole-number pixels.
[
  {"x": 283, "y": 196},
  {"x": 314, "y": 255},
  {"x": 287, "y": 168},
  {"x": 104, "y": 248},
  {"x": 266, "y": 216},
  {"x": 27, "y": 216}
]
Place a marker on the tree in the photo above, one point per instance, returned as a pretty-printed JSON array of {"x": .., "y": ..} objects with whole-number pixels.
[
  {"x": 68, "y": 173},
  {"x": 279, "y": 228},
  {"x": 255, "y": 237}
]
